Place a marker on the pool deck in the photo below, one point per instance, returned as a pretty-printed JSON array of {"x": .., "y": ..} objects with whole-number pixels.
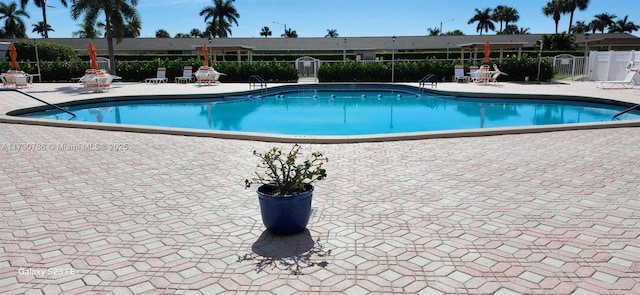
[{"x": 102, "y": 212}]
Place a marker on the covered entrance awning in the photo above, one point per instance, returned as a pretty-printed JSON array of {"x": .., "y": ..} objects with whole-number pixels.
[
  {"x": 213, "y": 51},
  {"x": 473, "y": 48}
]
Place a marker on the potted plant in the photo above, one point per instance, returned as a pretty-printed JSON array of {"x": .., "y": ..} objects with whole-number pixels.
[{"x": 285, "y": 192}]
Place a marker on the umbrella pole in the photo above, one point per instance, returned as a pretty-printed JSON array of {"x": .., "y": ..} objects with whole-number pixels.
[{"x": 38, "y": 61}]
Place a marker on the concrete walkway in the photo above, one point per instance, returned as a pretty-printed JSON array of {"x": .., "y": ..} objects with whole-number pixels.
[{"x": 101, "y": 212}]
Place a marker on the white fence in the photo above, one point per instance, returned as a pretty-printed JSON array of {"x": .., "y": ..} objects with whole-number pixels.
[{"x": 611, "y": 65}]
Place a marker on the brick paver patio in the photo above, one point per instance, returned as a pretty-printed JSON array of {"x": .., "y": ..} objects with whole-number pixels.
[{"x": 546, "y": 213}]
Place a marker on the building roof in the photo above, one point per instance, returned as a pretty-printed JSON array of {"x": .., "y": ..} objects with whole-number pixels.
[{"x": 383, "y": 43}]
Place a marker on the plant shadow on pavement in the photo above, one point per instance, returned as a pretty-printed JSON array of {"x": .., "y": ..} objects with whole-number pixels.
[{"x": 292, "y": 253}]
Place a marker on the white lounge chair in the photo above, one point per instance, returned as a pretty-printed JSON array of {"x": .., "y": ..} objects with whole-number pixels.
[
  {"x": 97, "y": 80},
  {"x": 458, "y": 74},
  {"x": 187, "y": 75},
  {"x": 629, "y": 81},
  {"x": 207, "y": 75},
  {"x": 161, "y": 77}
]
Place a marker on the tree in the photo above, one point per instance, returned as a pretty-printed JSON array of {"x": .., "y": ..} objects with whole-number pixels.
[
  {"x": 162, "y": 34},
  {"x": 562, "y": 41},
  {"x": 14, "y": 26},
  {"x": 222, "y": 14},
  {"x": 554, "y": 8},
  {"x": 41, "y": 28},
  {"x": 266, "y": 32},
  {"x": 289, "y": 33},
  {"x": 331, "y": 33},
  {"x": 42, "y": 4},
  {"x": 483, "y": 17},
  {"x": 117, "y": 14},
  {"x": 571, "y": 6},
  {"x": 87, "y": 31},
  {"x": 515, "y": 30},
  {"x": 604, "y": 20},
  {"x": 433, "y": 31},
  {"x": 623, "y": 25},
  {"x": 454, "y": 33},
  {"x": 580, "y": 27},
  {"x": 510, "y": 15}
]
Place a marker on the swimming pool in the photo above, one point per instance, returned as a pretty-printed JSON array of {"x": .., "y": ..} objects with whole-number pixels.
[{"x": 341, "y": 110}]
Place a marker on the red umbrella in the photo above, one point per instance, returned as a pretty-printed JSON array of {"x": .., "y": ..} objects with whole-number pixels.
[
  {"x": 205, "y": 62},
  {"x": 93, "y": 56},
  {"x": 487, "y": 50},
  {"x": 14, "y": 56}
]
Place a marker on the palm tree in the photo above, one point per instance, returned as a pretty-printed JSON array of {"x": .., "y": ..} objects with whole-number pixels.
[
  {"x": 222, "y": 14},
  {"x": 605, "y": 21},
  {"x": 510, "y": 15},
  {"x": 132, "y": 28},
  {"x": 553, "y": 8},
  {"x": 433, "y": 31},
  {"x": 42, "y": 4},
  {"x": 266, "y": 32},
  {"x": 596, "y": 25},
  {"x": 40, "y": 28},
  {"x": 87, "y": 31},
  {"x": 162, "y": 34},
  {"x": 14, "y": 26},
  {"x": 289, "y": 33},
  {"x": 331, "y": 33},
  {"x": 623, "y": 25},
  {"x": 580, "y": 27},
  {"x": 117, "y": 14},
  {"x": 571, "y": 6},
  {"x": 484, "y": 20},
  {"x": 454, "y": 33}
]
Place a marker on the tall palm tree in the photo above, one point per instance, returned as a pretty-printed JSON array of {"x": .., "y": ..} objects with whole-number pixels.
[
  {"x": 117, "y": 14},
  {"x": 483, "y": 17},
  {"x": 132, "y": 28},
  {"x": 498, "y": 15},
  {"x": 331, "y": 33},
  {"x": 222, "y": 14},
  {"x": 14, "y": 26},
  {"x": 596, "y": 25},
  {"x": 554, "y": 8},
  {"x": 435, "y": 31},
  {"x": 510, "y": 15},
  {"x": 289, "y": 33},
  {"x": 41, "y": 28},
  {"x": 623, "y": 25},
  {"x": 605, "y": 20},
  {"x": 571, "y": 6},
  {"x": 266, "y": 32},
  {"x": 42, "y": 4}
]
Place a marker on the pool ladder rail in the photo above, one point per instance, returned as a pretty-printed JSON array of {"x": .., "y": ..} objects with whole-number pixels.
[
  {"x": 256, "y": 80},
  {"x": 73, "y": 116},
  {"x": 430, "y": 78},
  {"x": 625, "y": 111}
]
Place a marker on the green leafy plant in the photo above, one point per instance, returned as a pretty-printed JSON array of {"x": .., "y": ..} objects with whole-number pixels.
[{"x": 286, "y": 173}]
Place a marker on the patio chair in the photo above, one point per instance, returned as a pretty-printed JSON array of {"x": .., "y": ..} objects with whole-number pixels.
[
  {"x": 97, "y": 80},
  {"x": 473, "y": 73},
  {"x": 628, "y": 82},
  {"x": 458, "y": 74},
  {"x": 187, "y": 75},
  {"x": 161, "y": 77},
  {"x": 483, "y": 75}
]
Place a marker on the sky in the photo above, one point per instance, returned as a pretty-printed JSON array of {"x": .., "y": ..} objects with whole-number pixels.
[{"x": 350, "y": 18}]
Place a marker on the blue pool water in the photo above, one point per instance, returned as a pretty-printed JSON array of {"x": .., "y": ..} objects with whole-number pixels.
[{"x": 351, "y": 111}]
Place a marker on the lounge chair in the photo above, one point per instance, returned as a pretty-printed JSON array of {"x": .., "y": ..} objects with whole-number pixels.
[
  {"x": 483, "y": 75},
  {"x": 97, "y": 80},
  {"x": 473, "y": 73},
  {"x": 629, "y": 81},
  {"x": 207, "y": 75},
  {"x": 15, "y": 79},
  {"x": 187, "y": 75},
  {"x": 495, "y": 74},
  {"x": 161, "y": 77},
  {"x": 458, "y": 74}
]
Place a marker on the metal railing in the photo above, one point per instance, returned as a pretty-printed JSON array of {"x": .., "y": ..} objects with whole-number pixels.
[{"x": 73, "y": 116}]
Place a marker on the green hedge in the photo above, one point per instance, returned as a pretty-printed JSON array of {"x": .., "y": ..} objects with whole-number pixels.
[
  {"x": 134, "y": 71},
  {"x": 412, "y": 71}
]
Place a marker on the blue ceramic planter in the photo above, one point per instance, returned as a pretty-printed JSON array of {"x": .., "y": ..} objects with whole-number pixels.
[{"x": 285, "y": 215}]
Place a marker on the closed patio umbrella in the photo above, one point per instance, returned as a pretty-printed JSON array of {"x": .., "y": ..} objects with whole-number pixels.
[
  {"x": 13, "y": 54},
  {"x": 93, "y": 56},
  {"x": 487, "y": 51},
  {"x": 205, "y": 62}
]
